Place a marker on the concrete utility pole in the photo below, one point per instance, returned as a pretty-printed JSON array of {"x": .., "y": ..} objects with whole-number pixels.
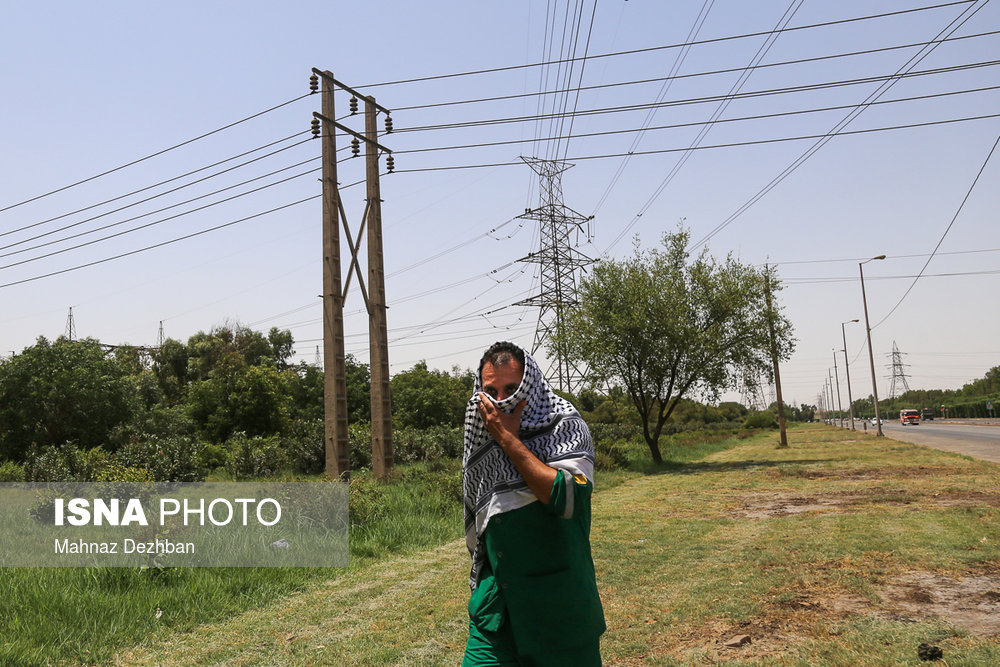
[
  {"x": 836, "y": 374},
  {"x": 334, "y": 293},
  {"x": 381, "y": 403},
  {"x": 774, "y": 359},
  {"x": 871, "y": 355},
  {"x": 847, "y": 371}
]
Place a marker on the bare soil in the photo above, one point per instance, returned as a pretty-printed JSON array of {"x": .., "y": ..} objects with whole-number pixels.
[{"x": 772, "y": 504}]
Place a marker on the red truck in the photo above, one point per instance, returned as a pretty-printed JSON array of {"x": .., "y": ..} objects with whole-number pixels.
[{"x": 909, "y": 417}]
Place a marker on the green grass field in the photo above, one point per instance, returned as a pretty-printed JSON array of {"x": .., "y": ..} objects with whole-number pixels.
[{"x": 841, "y": 550}]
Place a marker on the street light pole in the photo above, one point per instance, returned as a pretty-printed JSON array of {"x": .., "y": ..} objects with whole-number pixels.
[
  {"x": 836, "y": 374},
  {"x": 871, "y": 356},
  {"x": 847, "y": 371}
]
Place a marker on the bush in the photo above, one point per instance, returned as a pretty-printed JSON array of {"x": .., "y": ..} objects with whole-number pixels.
[
  {"x": 251, "y": 457},
  {"x": 610, "y": 455},
  {"x": 62, "y": 463},
  {"x": 116, "y": 472},
  {"x": 359, "y": 437},
  {"x": 303, "y": 444},
  {"x": 426, "y": 444},
  {"x": 169, "y": 459},
  {"x": 760, "y": 420},
  {"x": 615, "y": 432},
  {"x": 11, "y": 472},
  {"x": 366, "y": 501},
  {"x": 213, "y": 457}
]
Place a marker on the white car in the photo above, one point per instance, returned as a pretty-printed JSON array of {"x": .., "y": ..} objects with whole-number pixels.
[{"x": 875, "y": 422}]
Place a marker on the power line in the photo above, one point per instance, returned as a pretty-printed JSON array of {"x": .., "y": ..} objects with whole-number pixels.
[
  {"x": 941, "y": 240},
  {"x": 154, "y": 185},
  {"x": 713, "y": 40},
  {"x": 153, "y": 223},
  {"x": 706, "y": 127},
  {"x": 708, "y": 99},
  {"x": 905, "y": 69},
  {"x": 861, "y": 259},
  {"x": 152, "y": 155},
  {"x": 674, "y": 76},
  {"x": 149, "y": 213},
  {"x": 715, "y": 146}
]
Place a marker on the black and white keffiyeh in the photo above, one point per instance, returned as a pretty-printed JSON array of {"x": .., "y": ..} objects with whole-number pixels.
[{"x": 551, "y": 429}]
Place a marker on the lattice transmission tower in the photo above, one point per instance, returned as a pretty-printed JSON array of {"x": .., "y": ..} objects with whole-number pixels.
[
  {"x": 899, "y": 374},
  {"x": 70, "y": 325},
  {"x": 560, "y": 265}
]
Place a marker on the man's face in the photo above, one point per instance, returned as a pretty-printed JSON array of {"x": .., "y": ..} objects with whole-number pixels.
[{"x": 501, "y": 382}]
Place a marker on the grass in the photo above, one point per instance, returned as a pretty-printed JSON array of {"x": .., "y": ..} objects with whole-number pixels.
[
  {"x": 840, "y": 550},
  {"x": 85, "y": 615}
]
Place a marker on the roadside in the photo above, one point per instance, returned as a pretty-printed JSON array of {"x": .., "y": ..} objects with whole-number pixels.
[{"x": 843, "y": 549}]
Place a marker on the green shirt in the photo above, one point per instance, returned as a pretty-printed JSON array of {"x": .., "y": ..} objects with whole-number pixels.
[{"x": 540, "y": 574}]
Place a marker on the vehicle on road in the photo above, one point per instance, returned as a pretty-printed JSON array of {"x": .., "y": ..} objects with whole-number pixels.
[
  {"x": 927, "y": 413},
  {"x": 909, "y": 417},
  {"x": 875, "y": 422}
]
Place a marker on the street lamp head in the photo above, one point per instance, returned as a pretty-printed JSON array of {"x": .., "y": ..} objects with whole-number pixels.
[
  {"x": 879, "y": 257},
  {"x": 872, "y": 259}
]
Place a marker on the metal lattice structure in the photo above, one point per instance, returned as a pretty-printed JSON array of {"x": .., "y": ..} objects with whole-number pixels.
[
  {"x": 560, "y": 264},
  {"x": 899, "y": 374},
  {"x": 70, "y": 325}
]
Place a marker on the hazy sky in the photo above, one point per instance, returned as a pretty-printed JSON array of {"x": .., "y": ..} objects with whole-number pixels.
[{"x": 89, "y": 87}]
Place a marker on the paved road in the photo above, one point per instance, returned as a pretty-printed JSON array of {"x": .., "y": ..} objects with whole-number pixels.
[{"x": 981, "y": 441}]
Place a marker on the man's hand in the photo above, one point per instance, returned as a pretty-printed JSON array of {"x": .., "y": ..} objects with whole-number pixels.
[
  {"x": 502, "y": 426},
  {"x": 505, "y": 429}
]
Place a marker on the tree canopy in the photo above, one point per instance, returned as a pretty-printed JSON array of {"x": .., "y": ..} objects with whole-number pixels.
[{"x": 664, "y": 326}]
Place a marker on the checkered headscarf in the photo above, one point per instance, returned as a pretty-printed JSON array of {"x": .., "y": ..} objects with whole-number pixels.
[{"x": 551, "y": 429}]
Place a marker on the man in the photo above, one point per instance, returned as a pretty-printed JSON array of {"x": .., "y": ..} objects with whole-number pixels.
[{"x": 528, "y": 471}]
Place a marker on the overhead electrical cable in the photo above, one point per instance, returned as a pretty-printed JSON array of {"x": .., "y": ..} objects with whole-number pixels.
[
  {"x": 914, "y": 60},
  {"x": 699, "y": 123},
  {"x": 941, "y": 240},
  {"x": 668, "y": 81},
  {"x": 155, "y": 185},
  {"x": 143, "y": 215},
  {"x": 158, "y": 245},
  {"x": 734, "y": 144},
  {"x": 713, "y": 40},
  {"x": 152, "y": 155},
  {"x": 714, "y": 98},
  {"x": 861, "y": 259},
  {"x": 706, "y": 127},
  {"x": 579, "y": 83},
  {"x": 676, "y": 77},
  {"x": 153, "y": 223}
]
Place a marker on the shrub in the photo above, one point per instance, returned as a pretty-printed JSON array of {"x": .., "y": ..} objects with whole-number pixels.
[
  {"x": 173, "y": 459},
  {"x": 213, "y": 457},
  {"x": 359, "y": 438},
  {"x": 426, "y": 444},
  {"x": 303, "y": 444},
  {"x": 116, "y": 472},
  {"x": 11, "y": 472},
  {"x": 366, "y": 502},
  {"x": 256, "y": 456},
  {"x": 760, "y": 420},
  {"x": 610, "y": 455},
  {"x": 62, "y": 463}
]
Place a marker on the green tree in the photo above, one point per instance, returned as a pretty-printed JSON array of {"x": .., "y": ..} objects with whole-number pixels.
[
  {"x": 422, "y": 398},
  {"x": 58, "y": 392},
  {"x": 664, "y": 326}
]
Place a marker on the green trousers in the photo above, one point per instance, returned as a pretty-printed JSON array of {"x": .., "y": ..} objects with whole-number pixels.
[{"x": 497, "y": 649}]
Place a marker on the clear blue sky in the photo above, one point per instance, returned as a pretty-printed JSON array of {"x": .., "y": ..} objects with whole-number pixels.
[{"x": 91, "y": 86}]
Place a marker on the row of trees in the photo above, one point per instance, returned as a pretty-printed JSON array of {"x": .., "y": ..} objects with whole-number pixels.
[{"x": 655, "y": 331}]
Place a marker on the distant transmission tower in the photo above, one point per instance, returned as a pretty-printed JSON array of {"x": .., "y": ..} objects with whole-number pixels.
[
  {"x": 70, "y": 326},
  {"x": 159, "y": 336},
  {"x": 898, "y": 373},
  {"x": 318, "y": 361},
  {"x": 560, "y": 263}
]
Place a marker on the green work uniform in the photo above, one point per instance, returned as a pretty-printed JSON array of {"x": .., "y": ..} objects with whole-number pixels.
[{"x": 536, "y": 602}]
